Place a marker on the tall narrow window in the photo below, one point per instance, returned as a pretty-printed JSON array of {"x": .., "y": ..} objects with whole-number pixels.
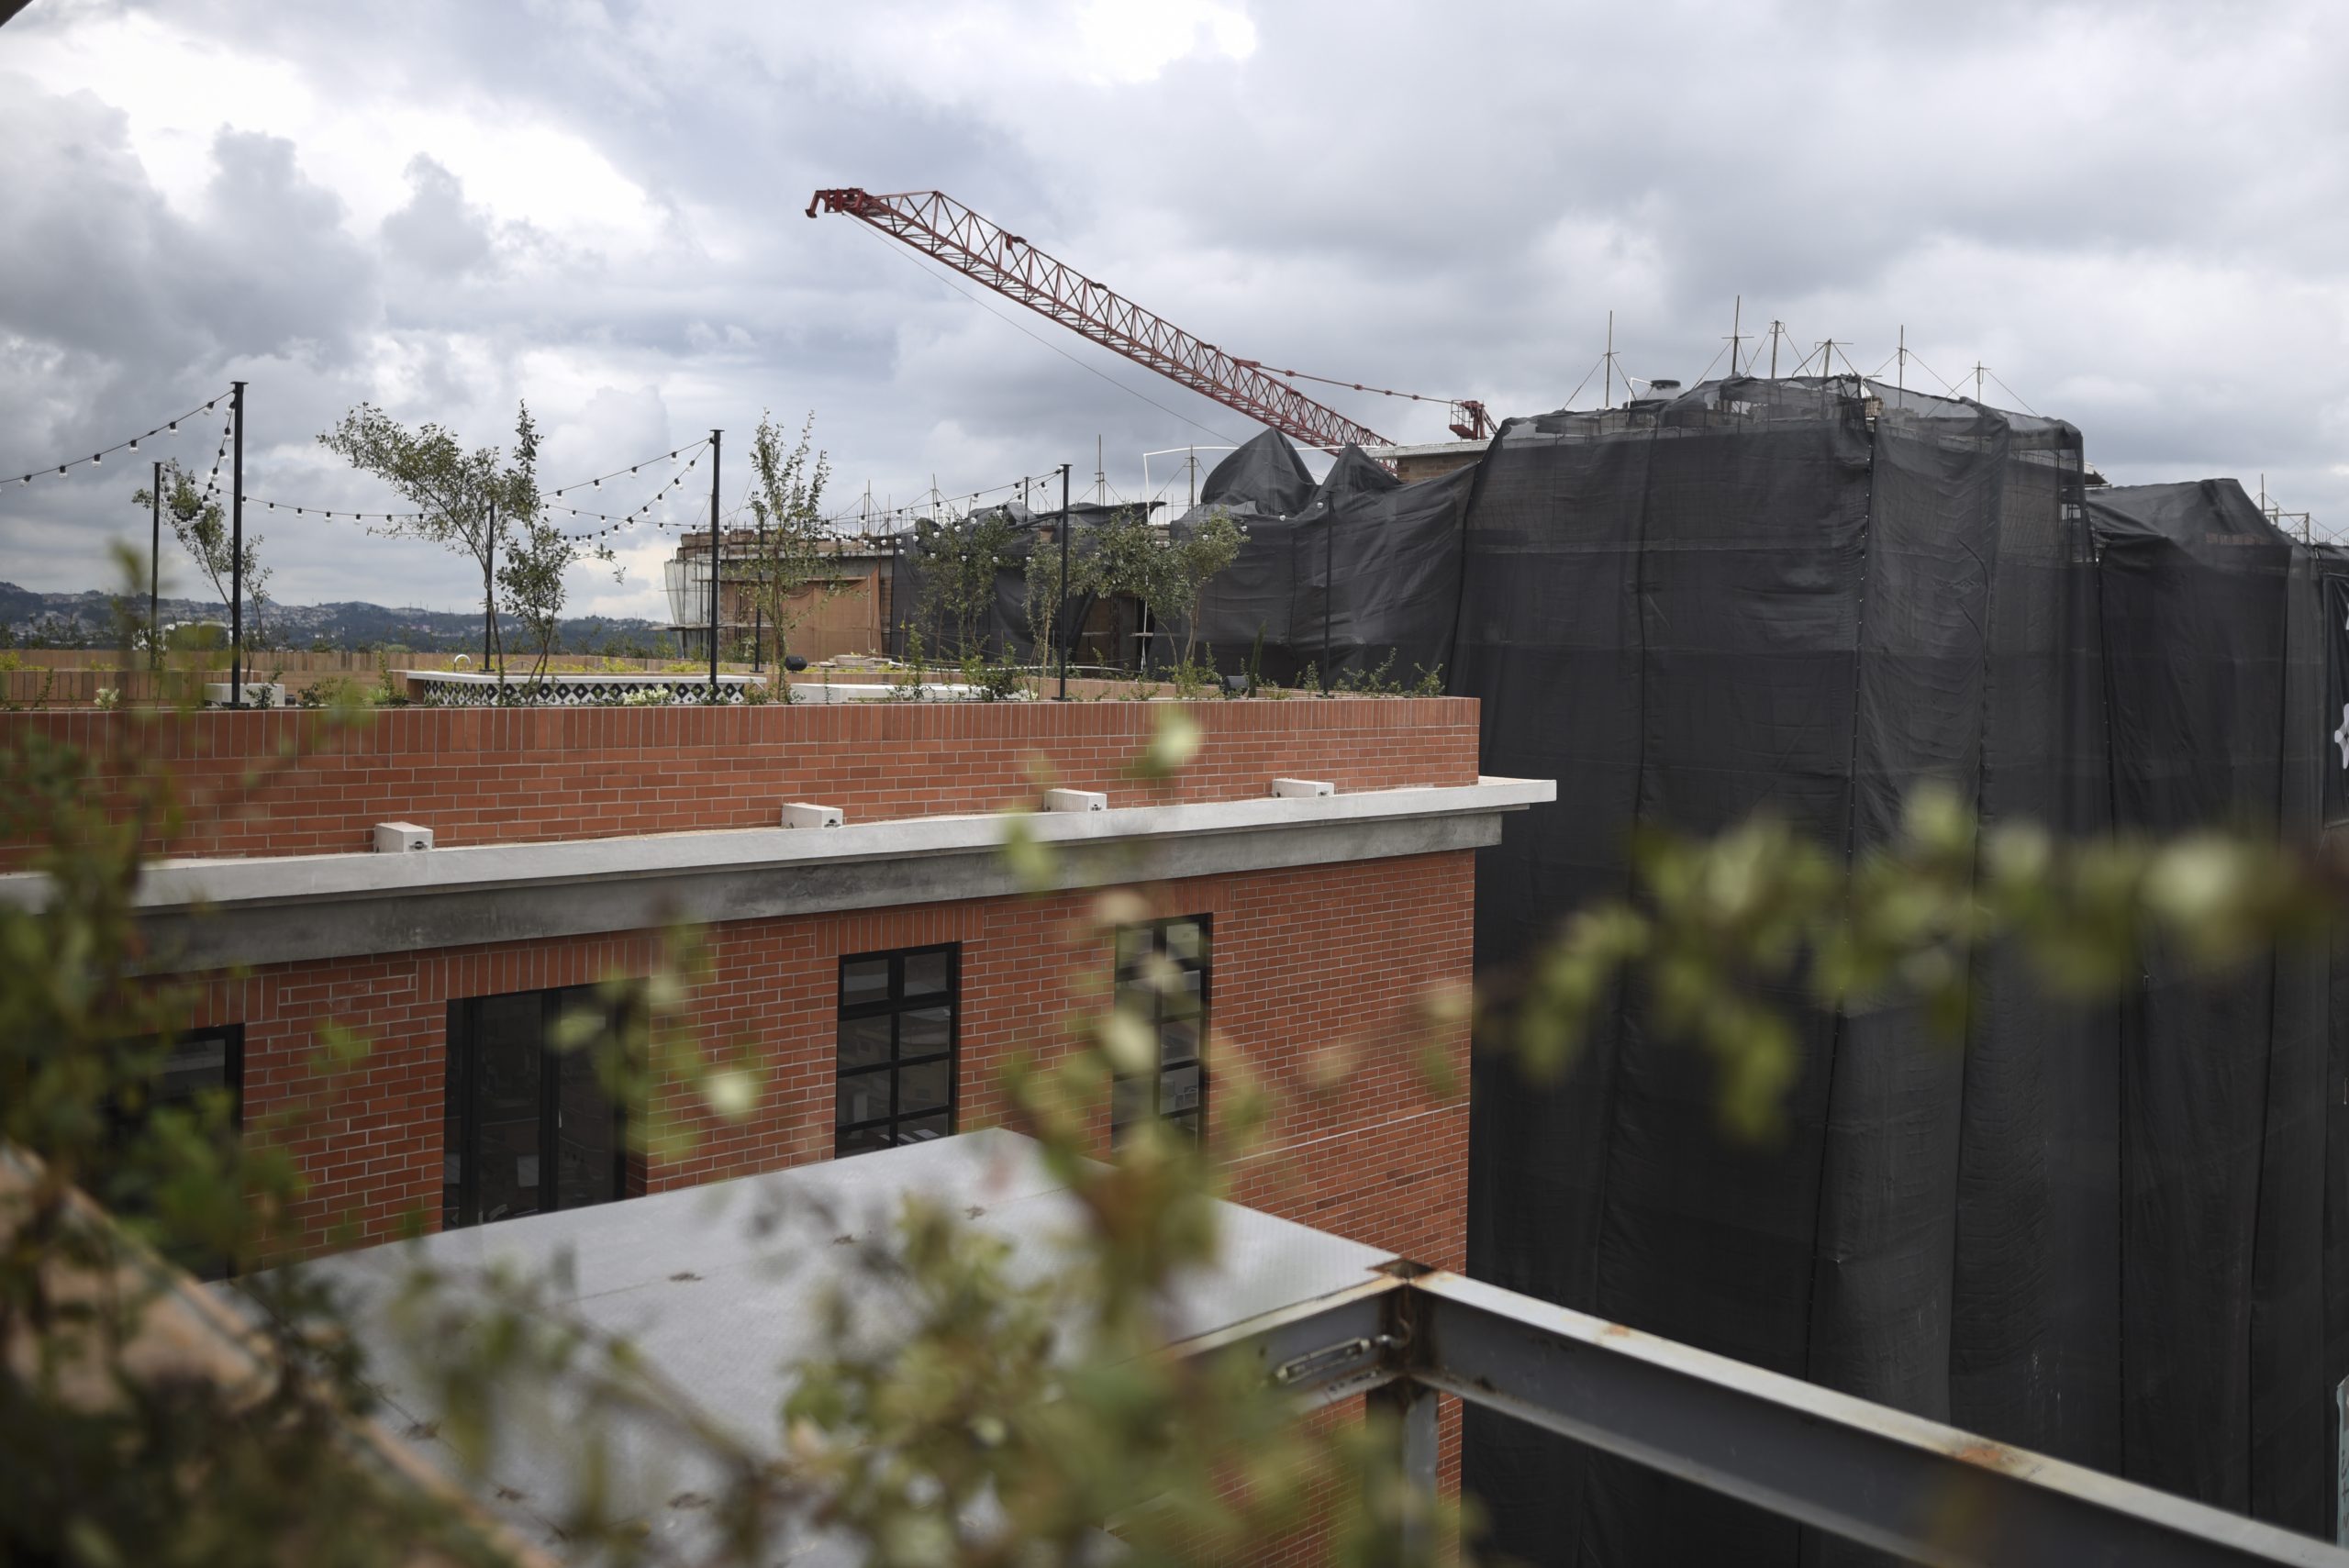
[
  {"x": 897, "y": 1034},
  {"x": 1163, "y": 974},
  {"x": 197, "y": 1064},
  {"x": 527, "y": 1128}
]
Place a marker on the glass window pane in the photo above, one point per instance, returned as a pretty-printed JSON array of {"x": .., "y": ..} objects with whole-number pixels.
[
  {"x": 924, "y": 1029},
  {"x": 861, "y": 1140},
  {"x": 925, "y": 1087},
  {"x": 1178, "y": 1043},
  {"x": 1187, "y": 940},
  {"x": 1185, "y": 1126},
  {"x": 1129, "y": 1101},
  {"x": 1182, "y": 999},
  {"x": 864, "y": 1042},
  {"x": 195, "y": 1064},
  {"x": 508, "y": 1048},
  {"x": 587, "y": 1141},
  {"x": 921, "y": 1129},
  {"x": 1178, "y": 1090},
  {"x": 862, "y": 1097},
  {"x": 453, "y": 1130},
  {"x": 928, "y": 973},
  {"x": 1133, "y": 941},
  {"x": 864, "y": 980}
]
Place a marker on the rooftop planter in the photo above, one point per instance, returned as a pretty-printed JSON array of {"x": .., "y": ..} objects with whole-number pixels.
[
  {"x": 477, "y": 688},
  {"x": 474, "y": 688}
]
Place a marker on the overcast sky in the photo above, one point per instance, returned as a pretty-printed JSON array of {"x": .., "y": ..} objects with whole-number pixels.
[{"x": 2133, "y": 215}]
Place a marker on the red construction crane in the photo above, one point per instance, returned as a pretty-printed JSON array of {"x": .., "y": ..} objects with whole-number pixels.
[{"x": 937, "y": 225}]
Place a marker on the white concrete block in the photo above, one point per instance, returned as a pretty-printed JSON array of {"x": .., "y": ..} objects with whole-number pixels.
[
  {"x": 1075, "y": 800},
  {"x": 1286, "y": 788},
  {"x": 401, "y": 838},
  {"x": 800, "y": 813},
  {"x": 258, "y": 693}
]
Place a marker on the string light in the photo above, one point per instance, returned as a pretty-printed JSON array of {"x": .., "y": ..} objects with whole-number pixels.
[{"x": 97, "y": 459}]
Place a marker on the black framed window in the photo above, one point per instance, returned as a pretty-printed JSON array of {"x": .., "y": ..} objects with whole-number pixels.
[
  {"x": 898, "y": 1030},
  {"x": 1164, "y": 975},
  {"x": 526, "y": 1129},
  {"x": 195, "y": 1066}
]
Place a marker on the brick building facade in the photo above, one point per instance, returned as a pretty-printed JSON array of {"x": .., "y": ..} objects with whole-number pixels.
[{"x": 569, "y": 845}]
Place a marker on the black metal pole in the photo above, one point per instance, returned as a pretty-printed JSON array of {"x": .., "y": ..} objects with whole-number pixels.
[
  {"x": 715, "y": 437},
  {"x": 154, "y": 556},
  {"x": 1328, "y": 585},
  {"x": 237, "y": 552},
  {"x": 1059, "y": 617}
]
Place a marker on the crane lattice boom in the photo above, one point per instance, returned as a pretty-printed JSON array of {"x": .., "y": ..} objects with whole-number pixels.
[{"x": 936, "y": 224}]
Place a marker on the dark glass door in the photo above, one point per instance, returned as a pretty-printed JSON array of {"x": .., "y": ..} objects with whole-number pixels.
[{"x": 528, "y": 1129}]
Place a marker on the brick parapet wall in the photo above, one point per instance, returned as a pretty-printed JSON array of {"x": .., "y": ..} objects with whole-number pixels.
[{"x": 292, "y": 783}]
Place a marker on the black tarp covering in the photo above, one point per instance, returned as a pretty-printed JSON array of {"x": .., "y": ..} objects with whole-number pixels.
[
  {"x": 2112, "y": 1233},
  {"x": 1357, "y": 575}
]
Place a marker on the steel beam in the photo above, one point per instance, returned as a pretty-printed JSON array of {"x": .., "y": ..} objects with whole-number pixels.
[{"x": 1920, "y": 1490}]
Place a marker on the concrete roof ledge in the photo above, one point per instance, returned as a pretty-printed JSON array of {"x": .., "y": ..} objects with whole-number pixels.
[{"x": 278, "y": 908}]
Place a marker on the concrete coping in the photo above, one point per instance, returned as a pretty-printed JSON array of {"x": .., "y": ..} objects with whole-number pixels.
[{"x": 295, "y": 879}]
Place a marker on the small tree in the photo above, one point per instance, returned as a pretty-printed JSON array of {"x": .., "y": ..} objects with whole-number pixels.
[
  {"x": 961, "y": 559},
  {"x": 197, "y": 521},
  {"x": 1046, "y": 589},
  {"x": 538, "y": 557},
  {"x": 466, "y": 502},
  {"x": 1193, "y": 561},
  {"x": 792, "y": 553}
]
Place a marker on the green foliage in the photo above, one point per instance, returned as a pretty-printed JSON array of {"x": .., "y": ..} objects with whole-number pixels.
[
  {"x": 201, "y": 526},
  {"x": 907, "y": 685},
  {"x": 961, "y": 558},
  {"x": 1193, "y": 561},
  {"x": 1379, "y": 681},
  {"x": 792, "y": 551},
  {"x": 1047, "y": 590},
  {"x": 467, "y": 502},
  {"x": 991, "y": 679},
  {"x": 1168, "y": 575}
]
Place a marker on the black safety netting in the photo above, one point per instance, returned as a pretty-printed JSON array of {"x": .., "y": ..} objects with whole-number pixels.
[
  {"x": 1354, "y": 578},
  {"x": 2114, "y": 1233}
]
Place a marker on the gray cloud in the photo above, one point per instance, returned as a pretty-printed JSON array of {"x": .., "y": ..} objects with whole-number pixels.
[{"x": 2133, "y": 215}]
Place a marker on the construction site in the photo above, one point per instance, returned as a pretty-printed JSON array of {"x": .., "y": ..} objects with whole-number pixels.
[{"x": 2107, "y": 1231}]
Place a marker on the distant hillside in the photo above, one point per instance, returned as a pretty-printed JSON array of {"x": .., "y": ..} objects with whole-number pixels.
[{"x": 33, "y": 619}]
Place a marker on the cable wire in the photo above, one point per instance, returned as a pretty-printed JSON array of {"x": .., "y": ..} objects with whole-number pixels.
[
  {"x": 911, "y": 260},
  {"x": 130, "y": 443}
]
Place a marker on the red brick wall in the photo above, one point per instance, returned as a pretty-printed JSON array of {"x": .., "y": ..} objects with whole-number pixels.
[
  {"x": 1319, "y": 984},
  {"x": 282, "y": 782}
]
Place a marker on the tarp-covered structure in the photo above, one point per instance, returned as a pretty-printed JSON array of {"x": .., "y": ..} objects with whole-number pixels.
[
  {"x": 1356, "y": 575},
  {"x": 2117, "y": 1233},
  {"x": 986, "y": 614}
]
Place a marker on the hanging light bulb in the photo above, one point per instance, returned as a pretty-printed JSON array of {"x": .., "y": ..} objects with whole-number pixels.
[
  {"x": 134, "y": 442},
  {"x": 176, "y": 427},
  {"x": 208, "y": 407},
  {"x": 61, "y": 470},
  {"x": 97, "y": 457}
]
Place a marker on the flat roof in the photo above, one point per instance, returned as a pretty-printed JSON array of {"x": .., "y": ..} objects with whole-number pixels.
[{"x": 717, "y": 1286}]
